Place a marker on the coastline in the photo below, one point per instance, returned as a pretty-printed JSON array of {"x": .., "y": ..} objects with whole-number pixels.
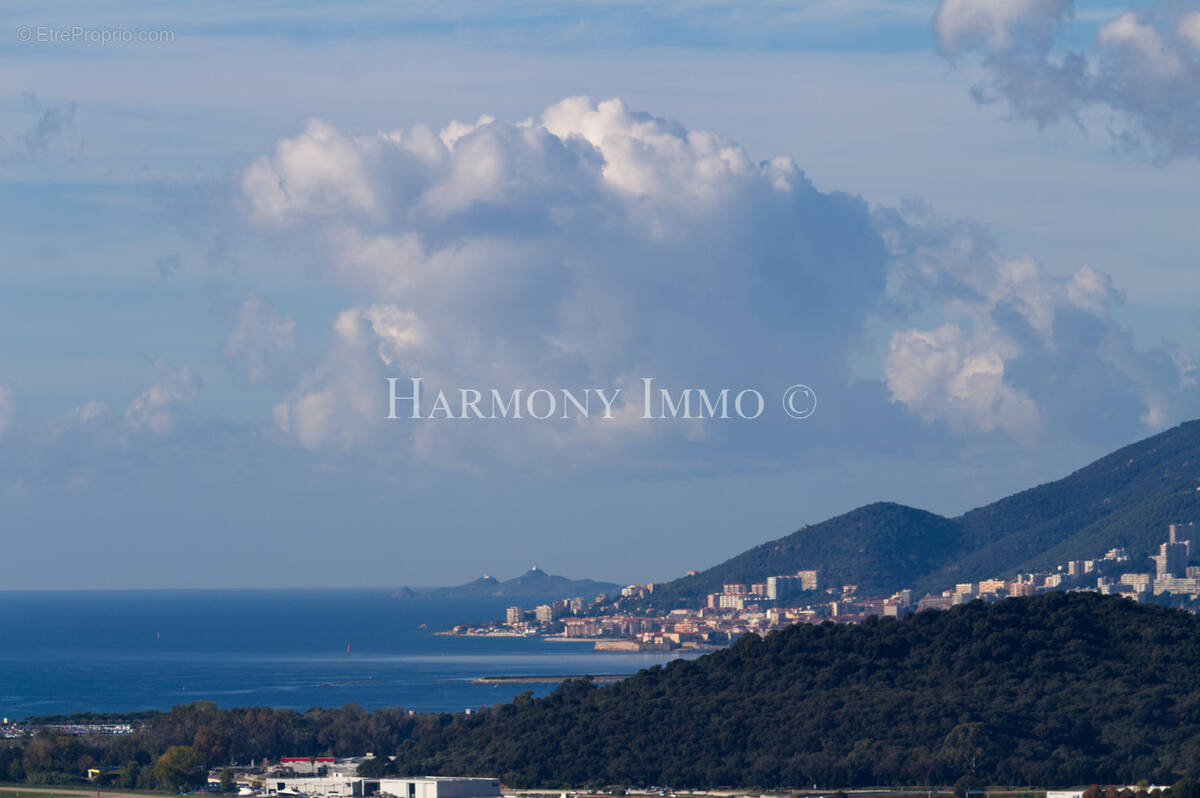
[{"x": 600, "y": 678}]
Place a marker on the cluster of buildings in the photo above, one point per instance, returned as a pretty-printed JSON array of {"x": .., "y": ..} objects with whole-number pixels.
[
  {"x": 350, "y": 786},
  {"x": 329, "y": 777},
  {"x": 618, "y": 631},
  {"x": 727, "y": 615},
  {"x": 776, "y": 588},
  {"x": 706, "y": 626},
  {"x": 738, "y": 609},
  {"x": 1112, "y": 574},
  {"x": 781, "y": 600},
  {"x": 13, "y": 731},
  {"x": 542, "y": 614}
]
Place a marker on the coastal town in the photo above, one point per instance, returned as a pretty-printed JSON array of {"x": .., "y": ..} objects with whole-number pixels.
[{"x": 781, "y": 600}]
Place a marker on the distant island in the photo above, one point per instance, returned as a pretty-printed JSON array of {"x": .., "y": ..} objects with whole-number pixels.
[{"x": 533, "y": 583}]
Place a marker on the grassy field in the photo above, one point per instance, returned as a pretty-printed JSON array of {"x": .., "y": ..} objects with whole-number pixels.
[{"x": 62, "y": 792}]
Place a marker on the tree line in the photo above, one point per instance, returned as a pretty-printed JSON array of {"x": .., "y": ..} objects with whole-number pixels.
[{"x": 176, "y": 749}]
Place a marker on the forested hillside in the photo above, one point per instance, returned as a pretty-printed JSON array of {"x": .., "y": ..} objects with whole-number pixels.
[
  {"x": 1124, "y": 499},
  {"x": 1058, "y": 689},
  {"x": 882, "y": 547}
]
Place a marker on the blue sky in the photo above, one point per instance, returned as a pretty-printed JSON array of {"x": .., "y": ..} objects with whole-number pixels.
[{"x": 217, "y": 247}]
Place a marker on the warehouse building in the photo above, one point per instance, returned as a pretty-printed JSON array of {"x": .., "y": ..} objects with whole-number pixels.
[
  {"x": 348, "y": 786},
  {"x": 440, "y": 787}
]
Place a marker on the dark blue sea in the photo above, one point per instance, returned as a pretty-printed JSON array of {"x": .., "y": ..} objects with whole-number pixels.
[{"x": 122, "y": 651}]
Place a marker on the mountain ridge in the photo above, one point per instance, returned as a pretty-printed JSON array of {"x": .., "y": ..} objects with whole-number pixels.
[{"x": 1126, "y": 498}]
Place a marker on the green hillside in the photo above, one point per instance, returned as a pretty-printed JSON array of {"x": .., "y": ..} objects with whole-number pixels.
[
  {"x": 882, "y": 547},
  {"x": 1124, "y": 499},
  {"x": 1058, "y": 689}
]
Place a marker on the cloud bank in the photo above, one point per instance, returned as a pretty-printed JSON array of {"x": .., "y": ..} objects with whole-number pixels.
[
  {"x": 1143, "y": 68},
  {"x": 1017, "y": 348}
]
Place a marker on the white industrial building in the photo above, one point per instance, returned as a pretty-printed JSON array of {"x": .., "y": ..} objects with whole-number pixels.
[
  {"x": 334, "y": 786},
  {"x": 338, "y": 785},
  {"x": 440, "y": 787}
]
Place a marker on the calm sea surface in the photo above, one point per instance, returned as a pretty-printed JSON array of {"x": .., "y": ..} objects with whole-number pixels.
[{"x": 122, "y": 651}]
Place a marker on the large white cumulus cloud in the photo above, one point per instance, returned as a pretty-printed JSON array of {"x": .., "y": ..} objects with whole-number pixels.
[
  {"x": 594, "y": 245},
  {"x": 1143, "y": 66},
  {"x": 590, "y": 247}
]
